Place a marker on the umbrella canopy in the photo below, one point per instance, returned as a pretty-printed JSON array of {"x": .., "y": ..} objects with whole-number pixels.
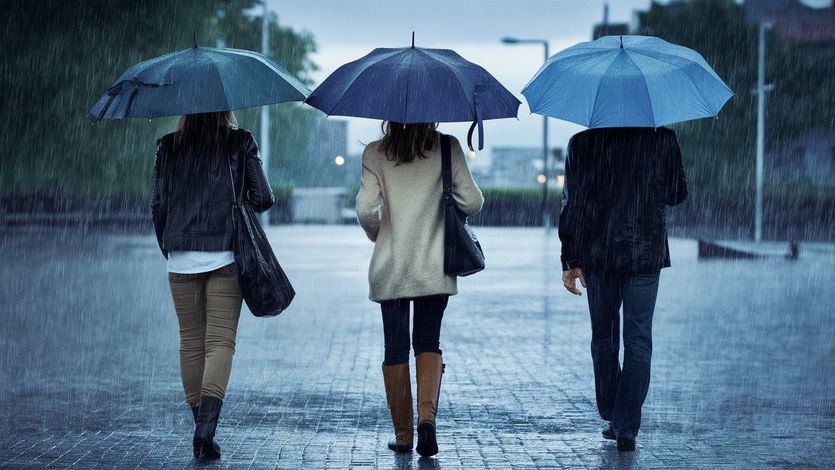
[
  {"x": 198, "y": 80},
  {"x": 415, "y": 85},
  {"x": 626, "y": 81}
]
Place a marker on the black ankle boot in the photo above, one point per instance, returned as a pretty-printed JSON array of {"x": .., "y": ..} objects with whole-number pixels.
[
  {"x": 625, "y": 444},
  {"x": 194, "y": 410},
  {"x": 609, "y": 433},
  {"x": 205, "y": 447}
]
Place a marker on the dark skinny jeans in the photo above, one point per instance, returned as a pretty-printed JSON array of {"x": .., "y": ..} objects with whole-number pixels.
[{"x": 429, "y": 311}]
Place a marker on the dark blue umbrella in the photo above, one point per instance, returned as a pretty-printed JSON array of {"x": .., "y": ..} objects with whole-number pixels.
[
  {"x": 198, "y": 80},
  {"x": 414, "y": 85},
  {"x": 627, "y": 81}
]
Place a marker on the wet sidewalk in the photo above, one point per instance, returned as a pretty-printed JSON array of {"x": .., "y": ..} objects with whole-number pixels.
[{"x": 743, "y": 372}]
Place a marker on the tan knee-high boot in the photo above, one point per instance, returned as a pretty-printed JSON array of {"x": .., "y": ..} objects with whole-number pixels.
[
  {"x": 399, "y": 395},
  {"x": 429, "y": 370}
]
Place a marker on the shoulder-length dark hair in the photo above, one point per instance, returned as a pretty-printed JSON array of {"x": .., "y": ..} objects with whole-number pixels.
[
  {"x": 403, "y": 142},
  {"x": 204, "y": 128}
]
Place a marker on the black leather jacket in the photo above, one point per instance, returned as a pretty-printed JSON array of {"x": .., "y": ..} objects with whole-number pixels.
[
  {"x": 618, "y": 182},
  {"x": 193, "y": 199}
]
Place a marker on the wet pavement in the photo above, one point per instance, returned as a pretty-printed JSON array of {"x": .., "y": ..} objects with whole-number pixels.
[{"x": 743, "y": 365}]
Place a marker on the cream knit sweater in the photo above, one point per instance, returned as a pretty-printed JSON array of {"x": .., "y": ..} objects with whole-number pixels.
[{"x": 399, "y": 207}]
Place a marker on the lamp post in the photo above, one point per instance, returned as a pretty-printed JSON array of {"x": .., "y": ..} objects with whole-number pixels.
[
  {"x": 546, "y": 221},
  {"x": 762, "y": 88},
  {"x": 265, "y": 112}
]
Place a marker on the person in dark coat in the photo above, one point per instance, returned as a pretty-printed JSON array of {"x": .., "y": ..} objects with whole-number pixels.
[
  {"x": 618, "y": 182},
  {"x": 196, "y": 171}
]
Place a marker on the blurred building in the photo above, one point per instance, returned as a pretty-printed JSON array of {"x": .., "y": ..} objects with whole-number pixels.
[
  {"x": 327, "y": 144},
  {"x": 518, "y": 167},
  {"x": 793, "y": 20},
  {"x": 809, "y": 158},
  {"x": 608, "y": 29}
]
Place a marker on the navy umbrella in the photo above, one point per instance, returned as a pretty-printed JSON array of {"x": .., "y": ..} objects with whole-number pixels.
[
  {"x": 414, "y": 85},
  {"x": 198, "y": 80}
]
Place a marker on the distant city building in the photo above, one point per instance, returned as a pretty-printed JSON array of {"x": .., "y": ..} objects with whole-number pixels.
[
  {"x": 608, "y": 29},
  {"x": 810, "y": 158},
  {"x": 807, "y": 159},
  {"x": 794, "y": 21},
  {"x": 319, "y": 167},
  {"x": 518, "y": 167},
  {"x": 328, "y": 138}
]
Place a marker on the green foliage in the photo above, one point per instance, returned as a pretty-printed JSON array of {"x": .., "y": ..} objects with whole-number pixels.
[
  {"x": 282, "y": 192},
  {"x": 65, "y": 54},
  {"x": 534, "y": 194},
  {"x": 720, "y": 153}
]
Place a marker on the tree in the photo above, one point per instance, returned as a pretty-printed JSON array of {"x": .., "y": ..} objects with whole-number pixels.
[
  {"x": 720, "y": 153},
  {"x": 65, "y": 54}
]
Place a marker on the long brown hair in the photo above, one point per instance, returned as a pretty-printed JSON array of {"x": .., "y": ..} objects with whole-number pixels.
[
  {"x": 204, "y": 128},
  {"x": 403, "y": 142}
]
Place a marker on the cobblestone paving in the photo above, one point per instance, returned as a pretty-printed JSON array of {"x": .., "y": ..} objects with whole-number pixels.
[{"x": 743, "y": 369}]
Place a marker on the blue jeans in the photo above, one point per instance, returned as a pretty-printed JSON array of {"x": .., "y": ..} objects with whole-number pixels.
[
  {"x": 621, "y": 392},
  {"x": 429, "y": 311}
]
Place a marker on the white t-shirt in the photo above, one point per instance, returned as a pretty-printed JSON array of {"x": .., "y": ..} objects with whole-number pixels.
[{"x": 193, "y": 262}]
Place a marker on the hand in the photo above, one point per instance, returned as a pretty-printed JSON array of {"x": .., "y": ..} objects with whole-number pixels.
[{"x": 569, "y": 280}]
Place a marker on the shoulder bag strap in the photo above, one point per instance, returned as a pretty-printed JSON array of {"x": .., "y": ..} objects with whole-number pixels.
[
  {"x": 446, "y": 169},
  {"x": 237, "y": 198}
]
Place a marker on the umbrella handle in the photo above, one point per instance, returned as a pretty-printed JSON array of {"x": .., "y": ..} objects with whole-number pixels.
[{"x": 479, "y": 121}]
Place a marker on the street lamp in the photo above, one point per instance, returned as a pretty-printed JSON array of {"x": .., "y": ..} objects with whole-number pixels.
[
  {"x": 546, "y": 221},
  {"x": 762, "y": 88},
  {"x": 265, "y": 112}
]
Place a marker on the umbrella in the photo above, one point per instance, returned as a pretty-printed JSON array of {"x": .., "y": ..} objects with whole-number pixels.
[
  {"x": 626, "y": 81},
  {"x": 198, "y": 80},
  {"x": 414, "y": 85}
]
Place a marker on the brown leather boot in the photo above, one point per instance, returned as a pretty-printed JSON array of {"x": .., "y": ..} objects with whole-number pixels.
[
  {"x": 399, "y": 395},
  {"x": 430, "y": 368}
]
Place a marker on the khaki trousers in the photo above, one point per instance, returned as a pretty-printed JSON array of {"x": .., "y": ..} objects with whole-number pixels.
[{"x": 208, "y": 307}]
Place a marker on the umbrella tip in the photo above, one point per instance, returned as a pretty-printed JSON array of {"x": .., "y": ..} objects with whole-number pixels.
[
  {"x": 621, "y": 41},
  {"x": 194, "y": 37},
  {"x": 413, "y": 39}
]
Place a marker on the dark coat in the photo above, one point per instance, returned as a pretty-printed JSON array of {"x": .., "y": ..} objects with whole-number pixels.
[
  {"x": 193, "y": 199},
  {"x": 618, "y": 182}
]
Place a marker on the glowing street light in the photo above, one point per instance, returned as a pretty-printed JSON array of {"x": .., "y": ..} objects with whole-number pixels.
[
  {"x": 339, "y": 160},
  {"x": 541, "y": 179}
]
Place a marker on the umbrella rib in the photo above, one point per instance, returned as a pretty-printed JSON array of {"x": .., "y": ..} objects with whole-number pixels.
[
  {"x": 683, "y": 70},
  {"x": 646, "y": 89},
  {"x": 336, "y": 103},
  {"x": 556, "y": 60},
  {"x": 553, "y": 83},
  {"x": 281, "y": 71},
  {"x": 222, "y": 85},
  {"x": 653, "y": 55},
  {"x": 597, "y": 92},
  {"x": 406, "y": 98},
  {"x": 454, "y": 71}
]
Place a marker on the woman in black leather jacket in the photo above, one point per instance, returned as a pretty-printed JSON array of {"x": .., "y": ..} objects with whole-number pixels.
[{"x": 195, "y": 171}]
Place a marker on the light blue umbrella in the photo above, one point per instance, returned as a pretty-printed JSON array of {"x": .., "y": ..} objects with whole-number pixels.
[{"x": 626, "y": 81}]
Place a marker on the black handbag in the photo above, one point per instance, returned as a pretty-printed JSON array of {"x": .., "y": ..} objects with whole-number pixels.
[
  {"x": 462, "y": 251},
  {"x": 264, "y": 285}
]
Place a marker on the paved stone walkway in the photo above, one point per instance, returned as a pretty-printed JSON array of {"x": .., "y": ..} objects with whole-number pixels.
[{"x": 743, "y": 370}]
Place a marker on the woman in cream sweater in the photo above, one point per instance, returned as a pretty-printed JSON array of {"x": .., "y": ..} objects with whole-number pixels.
[{"x": 399, "y": 207}]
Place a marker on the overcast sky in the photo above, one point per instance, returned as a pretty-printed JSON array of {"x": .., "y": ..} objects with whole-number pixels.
[{"x": 347, "y": 30}]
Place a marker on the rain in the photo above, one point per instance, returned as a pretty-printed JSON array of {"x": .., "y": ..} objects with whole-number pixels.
[{"x": 743, "y": 357}]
